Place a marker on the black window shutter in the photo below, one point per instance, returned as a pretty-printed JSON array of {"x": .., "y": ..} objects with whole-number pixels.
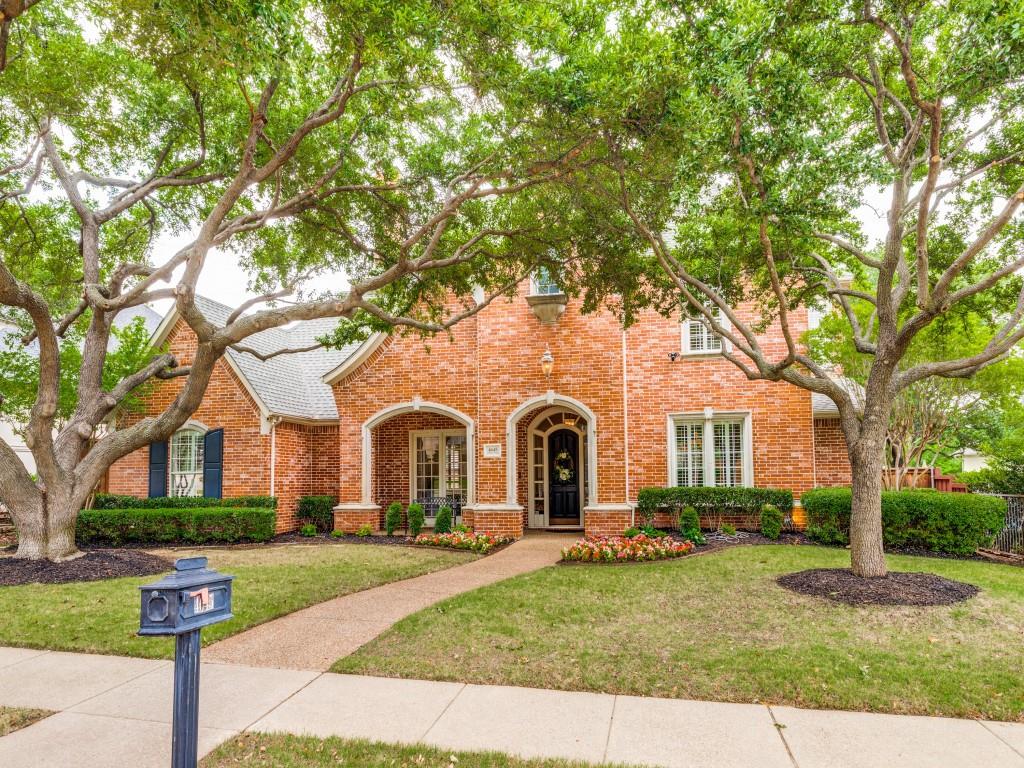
[
  {"x": 157, "y": 470},
  {"x": 213, "y": 464}
]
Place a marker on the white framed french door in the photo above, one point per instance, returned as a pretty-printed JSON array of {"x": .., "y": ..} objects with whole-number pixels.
[{"x": 438, "y": 468}]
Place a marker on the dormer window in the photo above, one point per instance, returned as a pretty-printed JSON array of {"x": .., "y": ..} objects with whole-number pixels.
[
  {"x": 699, "y": 339},
  {"x": 543, "y": 284}
]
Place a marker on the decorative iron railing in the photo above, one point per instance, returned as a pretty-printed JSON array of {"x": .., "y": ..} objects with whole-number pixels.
[
  {"x": 433, "y": 503},
  {"x": 1011, "y": 537}
]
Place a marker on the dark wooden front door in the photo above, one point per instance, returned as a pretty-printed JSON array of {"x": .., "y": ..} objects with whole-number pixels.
[{"x": 564, "y": 477}]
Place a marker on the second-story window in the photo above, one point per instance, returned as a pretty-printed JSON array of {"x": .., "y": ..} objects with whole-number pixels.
[
  {"x": 543, "y": 284},
  {"x": 698, "y": 338}
]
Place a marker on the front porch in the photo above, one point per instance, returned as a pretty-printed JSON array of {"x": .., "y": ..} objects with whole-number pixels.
[{"x": 541, "y": 474}]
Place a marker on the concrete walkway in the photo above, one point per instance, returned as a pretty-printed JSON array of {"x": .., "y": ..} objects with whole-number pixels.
[
  {"x": 315, "y": 637},
  {"x": 116, "y": 712}
]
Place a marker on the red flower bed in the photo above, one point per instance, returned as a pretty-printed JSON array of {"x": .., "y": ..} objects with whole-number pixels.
[
  {"x": 619, "y": 549},
  {"x": 477, "y": 542}
]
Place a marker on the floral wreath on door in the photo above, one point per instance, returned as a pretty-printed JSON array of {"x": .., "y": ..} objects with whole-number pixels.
[{"x": 564, "y": 468}]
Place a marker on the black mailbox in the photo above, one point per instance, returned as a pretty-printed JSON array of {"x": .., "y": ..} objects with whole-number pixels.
[{"x": 190, "y": 598}]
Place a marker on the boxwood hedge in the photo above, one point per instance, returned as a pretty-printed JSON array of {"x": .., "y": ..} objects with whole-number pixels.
[
  {"x": 119, "y": 501},
  {"x": 954, "y": 523},
  {"x": 318, "y": 510},
  {"x": 708, "y": 501},
  {"x": 203, "y": 525}
]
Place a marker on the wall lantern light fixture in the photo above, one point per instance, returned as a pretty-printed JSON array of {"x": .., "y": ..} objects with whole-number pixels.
[{"x": 547, "y": 363}]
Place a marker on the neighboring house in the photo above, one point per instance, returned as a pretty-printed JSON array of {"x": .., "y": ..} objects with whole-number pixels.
[
  {"x": 529, "y": 415},
  {"x": 973, "y": 461},
  {"x": 11, "y": 433}
]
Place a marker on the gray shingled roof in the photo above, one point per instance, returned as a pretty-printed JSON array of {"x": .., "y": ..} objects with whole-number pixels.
[
  {"x": 289, "y": 385},
  {"x": 823, "y": 405}
]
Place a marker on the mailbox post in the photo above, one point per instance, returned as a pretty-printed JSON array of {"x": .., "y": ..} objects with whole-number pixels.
[{"x": 181, "y": 604}]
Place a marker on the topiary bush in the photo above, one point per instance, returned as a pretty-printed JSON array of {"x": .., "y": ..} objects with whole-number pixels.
[
  {"x": 771, "y": 521},
  {"x": 953, "y": 523},
  {"x": 689, "y": 525},
  {"x": 414, "y": 514},
  {"x": 120, "y": 501},
  {"x": 443, "y": 520},
  {"x": 318, "y": 510},
  {"x": 393, "y": 518},
  {"x": 207, "y": 525}
]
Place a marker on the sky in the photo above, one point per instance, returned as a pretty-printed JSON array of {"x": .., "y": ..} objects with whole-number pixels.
[{"x": 224, "y": 280}]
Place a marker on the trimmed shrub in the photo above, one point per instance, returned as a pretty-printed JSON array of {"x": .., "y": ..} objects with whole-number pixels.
[
  {"x": 954, "y": 523},
  {"x": 414, "y": 514},
  {"x": 318, "y": 510},
  {"x": 771, "y": 521},
  {"x": 307, "y": 530},
  {"x": 689, "y": 525},
  {"x": 393, "y": 518},
  {"x": 207, "y": 525},
  {"x": 712, "y": 501},
  {"x": 364, "y": 530},
  {"x": 443, "y": 521},
  {"x": 119, "y": 501}
]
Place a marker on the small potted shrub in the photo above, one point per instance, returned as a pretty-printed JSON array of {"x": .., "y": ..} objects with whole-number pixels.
[
  {"x": 393, "y": 518},
  {"x": 771, "y": 521},
  {"x": 443, "y": 521},
  {"x": 415, "y": 516},
  {"x": 689, "y": 525}
]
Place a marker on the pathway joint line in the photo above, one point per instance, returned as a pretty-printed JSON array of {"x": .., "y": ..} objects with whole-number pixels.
[
  {"x": 27, "y": 658},
  {"x": 611, "y": 723},
  {"x": 779, "y": 728},
  {"x": 163, "y": 663},
  {"x": 287, "y": 698},
  {"x": 423, "y": 738},
  {"x": 984, "y": 725}
]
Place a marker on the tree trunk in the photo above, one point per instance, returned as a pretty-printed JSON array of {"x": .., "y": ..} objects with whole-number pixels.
[
  {"x": 47, "y": 532},
  {"x": 867, "y": 556}
]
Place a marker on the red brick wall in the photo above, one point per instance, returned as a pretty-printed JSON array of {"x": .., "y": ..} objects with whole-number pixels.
[
  {"x": 391, "y": 471},
  {"x": 491, "y": 367},
  {"x": 832, "y": 463},
  {"x": 306, "y": 465},
  {"x": 226, "y": 405},
  {"x": 781, "y": 421}
]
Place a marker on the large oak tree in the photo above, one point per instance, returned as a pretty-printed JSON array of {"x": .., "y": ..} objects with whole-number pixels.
[
  {"x": 298, "y": 137},
  {"x": 746, "y": 144}
]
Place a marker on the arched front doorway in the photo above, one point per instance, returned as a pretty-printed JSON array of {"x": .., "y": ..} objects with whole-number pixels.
[{"x": 557, "y": 455}]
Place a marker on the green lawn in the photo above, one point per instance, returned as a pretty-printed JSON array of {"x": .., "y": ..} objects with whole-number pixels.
[
  {"x": 718, "y": 627},
  {"x": 13, "y": 718},
  {"x": 282, "y": 751},
  {"x": 103, "y": 616}
]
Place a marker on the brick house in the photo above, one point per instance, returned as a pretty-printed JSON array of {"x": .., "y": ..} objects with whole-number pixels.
[{"x": 528, "y": 415}]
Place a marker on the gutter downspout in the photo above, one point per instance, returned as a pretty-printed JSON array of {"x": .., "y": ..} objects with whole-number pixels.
[
  {"x": 625, "y": 426},
  {"x": 273, "y": 454}
]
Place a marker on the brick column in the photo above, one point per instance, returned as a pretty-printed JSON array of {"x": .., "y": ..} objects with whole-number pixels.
[
  {"x": 350, "y": 517},
  {"x": 607, "y": 519},
  {"x": 497, "y": 519}
]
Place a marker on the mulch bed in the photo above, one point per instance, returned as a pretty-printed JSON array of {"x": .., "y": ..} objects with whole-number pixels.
[
  {"x": 93, "y": 566},
  {"x": 349, "y": 538},
  {"x": 841, "y": 586}
]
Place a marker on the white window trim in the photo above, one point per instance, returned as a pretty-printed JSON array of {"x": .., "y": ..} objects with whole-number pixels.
[
  {"x": 709, "y": 417},
  {"x": 443, "y": 435},
  {"x": 534, "y": 286},
  {"x": 684, "y": 330},
  {"x": 193, "y": 428}
]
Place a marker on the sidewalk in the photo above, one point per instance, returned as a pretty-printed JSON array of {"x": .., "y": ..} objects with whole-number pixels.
[
  {"x": 115, "y": 711},
  {"x": 316, "y": 637}
]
